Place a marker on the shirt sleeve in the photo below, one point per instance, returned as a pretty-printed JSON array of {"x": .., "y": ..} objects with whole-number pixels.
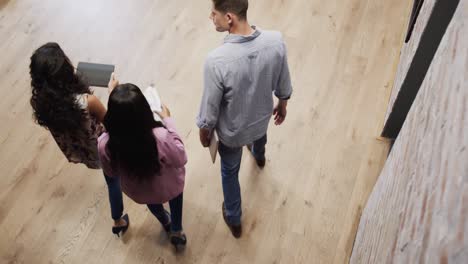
[
  {"x": 212, "y": 96},
  {"x": 174, "y": 150},
  {"x": 284, "y": 88}
]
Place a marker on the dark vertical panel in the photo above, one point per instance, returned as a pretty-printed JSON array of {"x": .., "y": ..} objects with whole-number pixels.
[{"x": 437, "y": 24}]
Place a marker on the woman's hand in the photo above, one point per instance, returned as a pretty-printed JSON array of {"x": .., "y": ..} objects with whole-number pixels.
[
  {"x": 165, "y": 113},
  {"x": 113, "y": 82}
]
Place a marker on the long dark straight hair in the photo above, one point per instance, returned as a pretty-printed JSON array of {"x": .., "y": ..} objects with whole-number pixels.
[
  {"x": 130, "y": 123},
  {"x": 54, "y": 88}
]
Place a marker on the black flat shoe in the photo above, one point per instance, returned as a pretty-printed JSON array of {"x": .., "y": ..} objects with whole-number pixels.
[
  {"x": 121, "y": 229},
  {"x": 178, "y": 240}
]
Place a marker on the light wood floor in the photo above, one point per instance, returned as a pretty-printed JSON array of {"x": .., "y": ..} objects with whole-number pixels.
[{"x": 304, "y": 207}]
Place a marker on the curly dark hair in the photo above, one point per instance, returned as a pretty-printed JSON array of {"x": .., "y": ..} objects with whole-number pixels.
[{"x": 54, "y": 88}]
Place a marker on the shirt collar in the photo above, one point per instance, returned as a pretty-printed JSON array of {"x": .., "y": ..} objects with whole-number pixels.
[{"x": 233, "y": 38}]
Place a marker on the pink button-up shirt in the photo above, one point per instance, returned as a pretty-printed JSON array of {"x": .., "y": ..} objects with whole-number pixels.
[{"x": 170, "y": 181}]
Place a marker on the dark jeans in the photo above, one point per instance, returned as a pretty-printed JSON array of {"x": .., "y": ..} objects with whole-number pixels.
[
  {"x": 176, "y": 213},
  {"x": 258, "y": 148},
  {"x": 116, "y": 204},
  {"x": 115, "y": 196},
  {"x": 230, "y": 165}
]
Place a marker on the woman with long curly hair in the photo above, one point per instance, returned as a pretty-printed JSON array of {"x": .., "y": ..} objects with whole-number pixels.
[{"x": 63, "y": 104}]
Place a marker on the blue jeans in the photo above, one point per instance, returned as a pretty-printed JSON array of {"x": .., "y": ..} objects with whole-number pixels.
[
  {"x": 230, "y": 165},
  {"x": 115, "y": 196},
  {"x": 116, "y": 204},
  {"x": 258, "y": 148},
  {"x": 176, "y": 213}
]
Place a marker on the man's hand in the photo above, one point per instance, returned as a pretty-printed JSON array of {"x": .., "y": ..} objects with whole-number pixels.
[
  {"x": 113, "y": 82},
  {"x": 280, "y": 112},
  {"x": 205, "y": 137}
]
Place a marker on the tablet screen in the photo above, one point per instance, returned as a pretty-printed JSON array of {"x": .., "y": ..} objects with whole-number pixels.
[{"x": 95, "y": 74}]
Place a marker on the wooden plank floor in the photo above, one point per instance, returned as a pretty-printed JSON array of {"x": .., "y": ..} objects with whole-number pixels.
[{"x": 304, "y": 207}]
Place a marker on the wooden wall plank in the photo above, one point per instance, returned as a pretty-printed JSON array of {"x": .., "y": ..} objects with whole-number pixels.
[
  {"x": 439, "y": 19},
  {"x": 418, "y": 210},
  {"x": 408, "y": 50}
]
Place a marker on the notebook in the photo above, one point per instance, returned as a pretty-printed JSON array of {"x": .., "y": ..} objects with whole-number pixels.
[
  {"x": 213, "y": 146},
  {"x": 152, "y": 96},
  {"x": 95, "y": 74}
]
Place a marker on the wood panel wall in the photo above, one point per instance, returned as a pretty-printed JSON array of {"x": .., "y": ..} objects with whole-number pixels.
[
  {"x": 408, "y": 50},
  {"x": 418, "y": 210}
]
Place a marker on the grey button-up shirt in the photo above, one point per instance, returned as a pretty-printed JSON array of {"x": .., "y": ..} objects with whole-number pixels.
[{"x": 240, "y": 78}]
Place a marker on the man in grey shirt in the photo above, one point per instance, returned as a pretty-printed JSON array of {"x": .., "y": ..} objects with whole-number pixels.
[{"x": 240, "y": 78}]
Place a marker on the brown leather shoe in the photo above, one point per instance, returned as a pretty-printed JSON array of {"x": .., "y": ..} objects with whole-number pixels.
[
  {"x": 236, "y": 230},
  {"x": 260, "y": 163}
]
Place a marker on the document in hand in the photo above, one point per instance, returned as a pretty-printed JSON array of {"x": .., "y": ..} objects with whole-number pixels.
[
  {"x": 213, "y": 146},
  {"x": 152, "y": 96}
]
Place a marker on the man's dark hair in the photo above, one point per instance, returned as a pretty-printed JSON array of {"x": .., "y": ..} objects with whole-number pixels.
[{"x": 237, "y": 7}]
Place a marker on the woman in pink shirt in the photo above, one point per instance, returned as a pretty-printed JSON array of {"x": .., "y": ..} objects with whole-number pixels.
[{"x": 148, "y": 157}]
